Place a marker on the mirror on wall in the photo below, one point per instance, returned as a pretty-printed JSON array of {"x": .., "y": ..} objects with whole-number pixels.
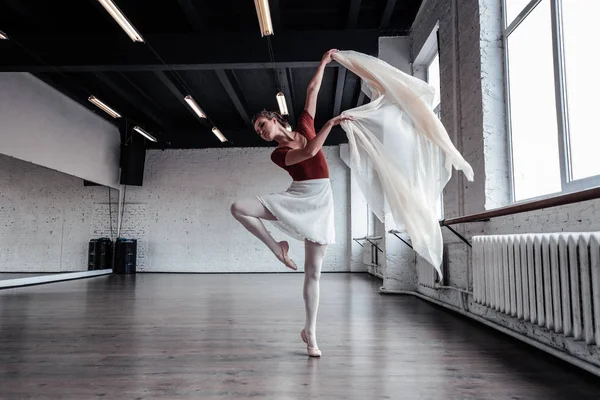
[{"x": 48, "y": 218}]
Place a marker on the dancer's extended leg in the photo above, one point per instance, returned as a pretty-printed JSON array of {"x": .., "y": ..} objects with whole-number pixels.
[
  {"x": 314, "y": 255},
  {"x": 250, "y": 212}
]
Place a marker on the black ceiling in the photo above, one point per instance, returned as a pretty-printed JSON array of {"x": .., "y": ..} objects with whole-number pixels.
[{"x": 211, "y": 49}]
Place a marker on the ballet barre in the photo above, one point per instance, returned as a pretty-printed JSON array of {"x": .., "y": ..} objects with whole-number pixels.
[{"x": 560, "y": 200}]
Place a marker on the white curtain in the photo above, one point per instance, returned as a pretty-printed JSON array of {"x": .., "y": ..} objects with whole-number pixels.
[{"x": 400, "y": 153}]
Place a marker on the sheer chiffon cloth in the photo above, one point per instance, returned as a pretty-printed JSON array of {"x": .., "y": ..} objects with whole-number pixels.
[{"x": 399, "y": 151}]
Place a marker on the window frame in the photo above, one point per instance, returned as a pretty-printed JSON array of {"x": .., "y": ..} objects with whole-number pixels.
[
  {"x": 568, "y": 184},
  {"x": 437, "y": 109},
  {"x": 420, "y": 67}
]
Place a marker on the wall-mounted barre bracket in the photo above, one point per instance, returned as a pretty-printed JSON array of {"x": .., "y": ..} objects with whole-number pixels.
[
  {"x": 368, "y": 239},
  {"x": 461, "y": 237},
  {"x": 357, "y": 241},
  {"x": 395, "y": 233},
  {"x": 374, "y": 244}
]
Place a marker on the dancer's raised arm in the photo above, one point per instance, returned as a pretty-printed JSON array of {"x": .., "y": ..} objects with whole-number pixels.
[
  {"x": 312, "y": 92},
  {"x": 313, "y": 146}
]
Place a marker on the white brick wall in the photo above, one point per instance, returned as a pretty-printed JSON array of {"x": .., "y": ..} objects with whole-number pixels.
[
  {"x": 181, "y": 215},
  {"x": 47, "y": 218}
]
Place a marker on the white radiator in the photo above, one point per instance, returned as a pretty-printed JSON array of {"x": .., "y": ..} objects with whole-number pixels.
[
  {"x": 372, "y": 256},
  {"x": 552, "y": 280},
  {"x": 427, "y": 275}
]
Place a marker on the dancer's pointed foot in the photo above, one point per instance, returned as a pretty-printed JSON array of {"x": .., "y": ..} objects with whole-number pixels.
[
  {"x": 312, "y": 351},
  {"x": 284, "y": 256}
]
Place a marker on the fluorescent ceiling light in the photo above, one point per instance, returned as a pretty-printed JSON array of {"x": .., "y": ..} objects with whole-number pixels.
[
  {"x": 264, "y": 17},
  {"x": 118, "y": 16},
  {"x": 3, "y": 36},
  {"x": 194, "y": 106},
  {"x": 144, "y": 133},
  {"x": 218, "y": 134},
  {"x": 282, "y": 105},
  {"x": 104, "y": 107}
]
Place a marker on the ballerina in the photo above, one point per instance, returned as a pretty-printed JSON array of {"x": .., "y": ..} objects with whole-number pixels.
[{"x": 305, "y": 210}]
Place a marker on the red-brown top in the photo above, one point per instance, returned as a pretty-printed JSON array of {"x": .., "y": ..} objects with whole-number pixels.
[{"x": 312, "y": 168}]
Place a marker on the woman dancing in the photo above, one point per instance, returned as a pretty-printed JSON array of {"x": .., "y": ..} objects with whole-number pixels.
[{"x": 305, "y": 209}]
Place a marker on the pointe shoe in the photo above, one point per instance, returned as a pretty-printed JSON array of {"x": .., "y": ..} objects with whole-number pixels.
[
  {"x": 286, "y": 260},
  {"x": 312, "y": 351}
]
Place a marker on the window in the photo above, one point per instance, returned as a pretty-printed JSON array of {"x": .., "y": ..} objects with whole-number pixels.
[
  {"x": 550, "y": 96},
  {"x": 426, "y": 66},
  {"x": 433, "y": 78},
  {"x": 578, "y": 18}
]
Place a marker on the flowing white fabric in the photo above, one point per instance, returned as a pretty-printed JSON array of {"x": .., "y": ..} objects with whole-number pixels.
[
  {"x": 304, "y": 211},
  {"x": 400, "y": 153}
]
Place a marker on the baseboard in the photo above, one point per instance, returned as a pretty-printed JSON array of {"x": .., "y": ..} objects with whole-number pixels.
[
  {"x": 38, "y": 280},
  {"x": 541, "y": 346}
]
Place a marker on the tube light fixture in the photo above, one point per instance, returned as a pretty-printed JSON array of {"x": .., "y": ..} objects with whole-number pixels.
[
  {"x": 118, "y": 16},
  {"x": 264, "y": 17},
  {"x": 144, "y": 133},
  {"x": 104, "y": 107},
  {"x": 194, "y": 106},
  {"x": 3, "y": 36},
  {"x": 282, "y": 105},
  {"x": 218, "y": 134}
]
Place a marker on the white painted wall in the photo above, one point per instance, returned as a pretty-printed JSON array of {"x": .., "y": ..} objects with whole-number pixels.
[
  {"x": 395, "y": 50},
  {"x": 43, "y": 126},
  {"x": 47, "y": 218},
  {"x": 181, "y": 215},
  {"x": 357, "y": 217}
]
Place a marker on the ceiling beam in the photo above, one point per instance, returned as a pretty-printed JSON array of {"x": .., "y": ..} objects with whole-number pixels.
[
  {"x": 287, "y": 91},
  {"x": 133, "y": 100},
  {"x": 359, "y": 95},
  {"x": 141, "y": 91},
  {"x": 339, "y": 91},
  {"x": 20, "y": 8},
  {"x": 387, "y": 13},
  {"x": 162, "y": 76},
  {"x": 292, "y": 87},
  {"x": 191, "y": 14},
  {"x": 180, "y": 52},
  {"x": 165, "y": 80},
  {"x": 235, "y": 94},
  {"x": 353, "y": 14},
  {"x": 361, "y": 99},
  {"x": 275, "y": 15}
]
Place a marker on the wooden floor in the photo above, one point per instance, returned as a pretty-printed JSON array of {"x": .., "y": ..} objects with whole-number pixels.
[{"x": 183, "y": 336}]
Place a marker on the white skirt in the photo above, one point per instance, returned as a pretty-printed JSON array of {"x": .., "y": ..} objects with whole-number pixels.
[{"x": 304, "y": 210}]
